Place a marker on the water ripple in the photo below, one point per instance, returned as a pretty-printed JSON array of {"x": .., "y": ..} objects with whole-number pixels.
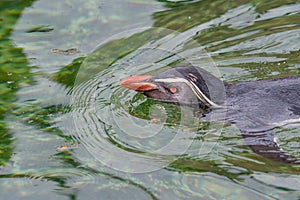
[{"x": 112, "y": 123}]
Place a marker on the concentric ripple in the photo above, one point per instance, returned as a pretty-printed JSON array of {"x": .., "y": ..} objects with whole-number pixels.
[{"x": 125, "y": 130}]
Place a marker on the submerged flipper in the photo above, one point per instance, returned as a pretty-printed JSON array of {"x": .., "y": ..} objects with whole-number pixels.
[
  {"x": 262, "y": 141},
  {"x": 265, "y": 144}
]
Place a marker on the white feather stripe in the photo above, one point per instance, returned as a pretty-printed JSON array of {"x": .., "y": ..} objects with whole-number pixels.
[{"x": 202, "y": 97}]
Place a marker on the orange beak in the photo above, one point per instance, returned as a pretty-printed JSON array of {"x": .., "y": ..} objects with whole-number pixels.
[{"x": 138, "y": 83}]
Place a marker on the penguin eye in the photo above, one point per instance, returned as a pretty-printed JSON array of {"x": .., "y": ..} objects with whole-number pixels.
[{"x": 173, "y": 90}]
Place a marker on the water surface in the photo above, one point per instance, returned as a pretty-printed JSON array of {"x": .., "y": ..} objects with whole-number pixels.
[{"x": 69, "y": 131}]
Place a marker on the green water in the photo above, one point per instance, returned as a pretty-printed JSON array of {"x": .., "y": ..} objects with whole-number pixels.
[{"x": 63, "y": 116}]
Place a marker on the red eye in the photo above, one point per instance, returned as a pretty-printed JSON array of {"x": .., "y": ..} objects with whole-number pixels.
[{"x": 173, "y": 90}]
